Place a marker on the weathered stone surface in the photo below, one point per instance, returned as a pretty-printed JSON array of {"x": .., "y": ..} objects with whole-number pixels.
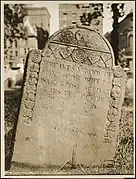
[{"x": 71, "y": 104}]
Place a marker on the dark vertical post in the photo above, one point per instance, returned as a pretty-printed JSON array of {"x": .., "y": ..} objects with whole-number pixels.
[
  {"x": 42, "y": 37},
  {"x": 115, "y": 32}
]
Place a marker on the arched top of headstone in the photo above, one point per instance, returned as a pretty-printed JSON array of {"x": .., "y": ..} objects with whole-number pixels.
[{"x": 81, "y": 45}]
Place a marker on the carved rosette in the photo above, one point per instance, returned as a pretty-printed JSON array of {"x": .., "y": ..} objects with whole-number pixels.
[
  {"x": 30, "y": 87},
  {"x": 79, "y": 55},
  {"x": 114, "y": 104}
]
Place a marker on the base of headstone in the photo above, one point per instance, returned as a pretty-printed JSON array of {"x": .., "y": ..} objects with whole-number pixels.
[{"x": 19, "y": 169}]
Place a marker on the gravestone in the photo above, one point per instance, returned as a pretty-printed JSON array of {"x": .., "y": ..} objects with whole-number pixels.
[{"x": 71, "y": 102}]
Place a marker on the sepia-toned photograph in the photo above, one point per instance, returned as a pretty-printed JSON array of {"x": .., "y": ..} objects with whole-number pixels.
[{"x": 68, "y": 90}]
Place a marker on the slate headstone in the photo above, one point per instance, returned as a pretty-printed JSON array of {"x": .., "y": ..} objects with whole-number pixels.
[{"x": 71, "y": 102}]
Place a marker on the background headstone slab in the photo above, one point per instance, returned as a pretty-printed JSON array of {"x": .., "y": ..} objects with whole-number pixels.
[{"x": 71, "y": 102}]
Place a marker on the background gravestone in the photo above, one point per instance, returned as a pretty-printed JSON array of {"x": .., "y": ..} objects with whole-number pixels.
[{"x": 71, "y": 102}]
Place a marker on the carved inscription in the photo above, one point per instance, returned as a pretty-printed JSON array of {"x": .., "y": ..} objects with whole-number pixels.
[
  {"x": 73, "y": 102},
  {"x": 70, "y": 81}
]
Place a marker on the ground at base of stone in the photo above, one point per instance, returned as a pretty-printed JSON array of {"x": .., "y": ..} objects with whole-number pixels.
[
  {"x": 19, "y": 169},
  {"x": 57, "y": 171}
]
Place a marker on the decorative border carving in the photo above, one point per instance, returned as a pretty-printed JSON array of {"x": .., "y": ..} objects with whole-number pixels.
[
  {"x": 79, "y": 54},
  {"x": 114, "y": 104},
  {"x": 75, "y": 45},
  {"x": 30, "y": 87},
  {"x": 81, "y": 37}
]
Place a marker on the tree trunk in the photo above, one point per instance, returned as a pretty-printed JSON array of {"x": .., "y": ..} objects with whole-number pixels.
[{"x": 115, "y": 32}]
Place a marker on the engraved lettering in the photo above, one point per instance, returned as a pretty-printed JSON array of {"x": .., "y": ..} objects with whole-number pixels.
[
  {"x": 54, "y": 91},
  {"x": 68, "y": 93}
]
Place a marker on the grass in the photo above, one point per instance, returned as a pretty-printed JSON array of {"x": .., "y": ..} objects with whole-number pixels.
[
  {"x": 123, "y": 164},
  {"x": 12, "y": 99},
  {"x": 125, "y": 150}
]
